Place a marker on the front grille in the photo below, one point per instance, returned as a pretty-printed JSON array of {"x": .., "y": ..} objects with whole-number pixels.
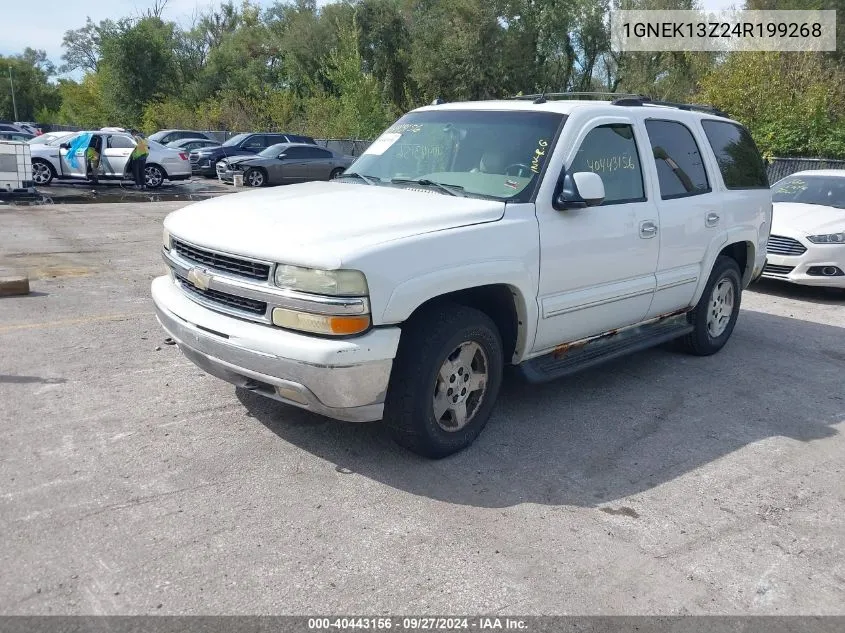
[
  {"x": 225, "y": 263},
  {"x": 779, "y": 245},
  {"x": 774, "y": 269},
  {"x": 239, "y": 303}
]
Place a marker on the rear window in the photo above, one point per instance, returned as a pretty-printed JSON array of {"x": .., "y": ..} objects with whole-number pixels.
[{"x": 739, "y": 161}]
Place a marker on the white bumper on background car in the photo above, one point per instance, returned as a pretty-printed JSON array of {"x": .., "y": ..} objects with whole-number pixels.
[
  {"x": 795, "y": 259},
  {"x": 341, "y": 378}
]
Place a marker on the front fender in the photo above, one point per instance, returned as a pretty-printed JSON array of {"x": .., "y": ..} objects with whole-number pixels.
[{"x": 412, "y": 293}]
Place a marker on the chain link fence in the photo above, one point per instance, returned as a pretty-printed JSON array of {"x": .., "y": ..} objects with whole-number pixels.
[{"x": 782, "y": 167}]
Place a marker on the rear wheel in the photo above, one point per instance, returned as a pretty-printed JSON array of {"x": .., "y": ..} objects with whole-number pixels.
[
  {"x": 153, "y": 176},
  {"x": 255, "y": 178},
  {"x": 42, "y": 172},
  {"x": 335, "y": 173},
  {"x": 445, "y": 380},
  {"x": 715, "y": 315}
]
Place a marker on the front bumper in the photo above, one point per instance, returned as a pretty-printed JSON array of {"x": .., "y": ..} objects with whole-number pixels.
[
  {"x": 794, "y": 268},
  {"x": 343, "y": 379}
]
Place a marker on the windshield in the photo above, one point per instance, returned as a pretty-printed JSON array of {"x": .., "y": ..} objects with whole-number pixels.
[
  {"x": 273, "y": 150},
  {"x": 491, "y": 153},
  {"x": 824, "y": 190},
  {"x": 157, "y": 135},
  {"x": 237, "y": 138}
]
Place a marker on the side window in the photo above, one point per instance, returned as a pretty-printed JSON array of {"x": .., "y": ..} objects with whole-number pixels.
[
  {"x": 120, "y": 142},
  {"x": 256, "y": 141},
  {"x": 611, "y": 152},
  {"x": 739, "y": 161},
  {"x": 680, "y": 167},
  {"x": 295, "y": 152},
  {"x": 316, "y": 152}
]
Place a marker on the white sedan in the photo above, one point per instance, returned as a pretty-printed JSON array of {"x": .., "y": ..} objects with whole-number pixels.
[
  {"x": 51, "y": 161},
  {"x": 807, "y": 241}
]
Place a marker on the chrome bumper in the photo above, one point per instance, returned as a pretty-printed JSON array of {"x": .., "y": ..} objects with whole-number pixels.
[{"x": 352, "y": 393}]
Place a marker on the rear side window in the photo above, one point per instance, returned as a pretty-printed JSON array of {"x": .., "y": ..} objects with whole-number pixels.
[
  {"x": 680, "y": 167},
  {"x": 611, "y": 152},
  {"x": 120, "y": 142},
  {"x": 316, "y": 152},
  {"x": 739, "y": 161}
]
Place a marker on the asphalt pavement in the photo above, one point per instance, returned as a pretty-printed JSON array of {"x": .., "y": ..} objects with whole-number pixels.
[{"x": 133, "y": 483}]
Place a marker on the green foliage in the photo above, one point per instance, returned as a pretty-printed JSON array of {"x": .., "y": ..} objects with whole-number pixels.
[
  {"x": 30, "y": 73},
  {"x": 350, "y": 67},
  {"x": 793, "y": 103}
]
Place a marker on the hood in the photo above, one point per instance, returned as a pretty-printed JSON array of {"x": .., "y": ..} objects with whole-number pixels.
[
  {"x": 322, "y": 224},
  {"x": 790, "y": 218},
  {"x": 232, "y": 160}
]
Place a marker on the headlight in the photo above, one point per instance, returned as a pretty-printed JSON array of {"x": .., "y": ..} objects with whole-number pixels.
[
  {"x": 165, "y": 239},
  {"x": 830, "y": 238},
  {"x": 337, "y": 283}
]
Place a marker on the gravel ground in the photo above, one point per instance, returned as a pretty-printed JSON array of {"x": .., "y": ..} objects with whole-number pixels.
[{"x": 132, "y": 483}]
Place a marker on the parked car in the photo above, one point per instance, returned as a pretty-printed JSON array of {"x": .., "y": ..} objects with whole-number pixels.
[
  {"x": 168, "y": 136},
  {"x": 547, "y": 234},
  {"x": 29, "y": 127},
  {"x": 190, "y": 144},
  {"x": 204, "y": 161},
  {"x": 807, "y": 244},
  {"x": 49, "y": 137},
  {"x": 283, "y": 164},
  {"x": 8, "y": 126},
  {"x": 16, "y": 136},
  {"x": 51, "y": 161}
]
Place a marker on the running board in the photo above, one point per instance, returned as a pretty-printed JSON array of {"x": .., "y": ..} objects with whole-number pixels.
[{"x": 578, "y": 355}]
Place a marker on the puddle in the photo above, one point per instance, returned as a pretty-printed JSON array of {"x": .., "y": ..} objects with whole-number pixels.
[{"x": 113, "y": 193}]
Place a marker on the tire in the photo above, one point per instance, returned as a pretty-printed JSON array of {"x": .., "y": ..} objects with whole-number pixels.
[
  {"x": 336, "y": 172},
  {"x": 42, "y": 172},
  {"x": 468, "y": 339},
  {"x": 255, "y": 178},
  {"x": 154, "y": 176},
  {"x": 715, "y": 315}
]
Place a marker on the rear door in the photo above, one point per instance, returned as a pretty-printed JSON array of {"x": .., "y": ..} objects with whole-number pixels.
[
  {"x": 255, "y": 143},
  {"x": 318, "y": 163},
  {"x": 118, "y": 148},
  {"x": 690, "y": 210}
]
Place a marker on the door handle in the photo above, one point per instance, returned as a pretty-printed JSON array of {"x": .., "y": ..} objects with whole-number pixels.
[
  {"x": 648, "y": 229},
  {"x": 712, "y": 219}
]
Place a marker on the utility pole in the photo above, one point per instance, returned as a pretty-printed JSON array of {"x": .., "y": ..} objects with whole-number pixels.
[{"x": 12, "y": 85}]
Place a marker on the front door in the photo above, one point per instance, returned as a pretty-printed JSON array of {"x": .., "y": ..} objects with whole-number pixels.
[
  {"x": 118, "y": 149},
  {"x": 597, "y": 264},
  {"x": 72, "y": 155}
]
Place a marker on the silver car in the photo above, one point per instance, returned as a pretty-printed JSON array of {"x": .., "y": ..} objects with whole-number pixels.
[{"x": 284, "y": 163}]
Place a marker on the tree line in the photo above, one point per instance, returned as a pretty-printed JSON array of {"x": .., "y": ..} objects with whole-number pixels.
[{"x": 349, "y": 68}]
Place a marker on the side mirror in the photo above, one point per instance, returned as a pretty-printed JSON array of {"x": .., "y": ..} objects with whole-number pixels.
[
  {"x": 579, "y": 191},
  {"x": 64, "y": 146},
  {"x": 281, "y": 156}
]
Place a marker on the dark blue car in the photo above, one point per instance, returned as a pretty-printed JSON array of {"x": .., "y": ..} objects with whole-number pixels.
[{"x": 204, "y": 160}]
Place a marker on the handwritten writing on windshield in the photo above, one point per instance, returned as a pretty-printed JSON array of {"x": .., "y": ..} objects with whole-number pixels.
[
  {"x": 406, "y": 127},
  {"x": 537, "y": 158},
  {"x": 607, "y": 164},
  {"x": 408, "y": 150}
]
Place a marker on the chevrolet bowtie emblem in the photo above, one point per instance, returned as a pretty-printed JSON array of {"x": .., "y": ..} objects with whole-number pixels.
[{"x": 200, "y": 278}]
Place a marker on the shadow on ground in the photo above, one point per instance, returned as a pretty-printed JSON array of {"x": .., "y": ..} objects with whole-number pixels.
[
  {"x": 774, "y": 288},
  {"x": 610, "y": 432}
]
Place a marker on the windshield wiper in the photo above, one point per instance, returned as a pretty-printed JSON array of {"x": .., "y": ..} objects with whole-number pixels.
[
  {"x": 452, "y": 190},
  {"x": 351, "y": 174}
]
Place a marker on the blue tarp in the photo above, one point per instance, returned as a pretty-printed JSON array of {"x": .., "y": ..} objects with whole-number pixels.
[{"x": 79, "y": 145}]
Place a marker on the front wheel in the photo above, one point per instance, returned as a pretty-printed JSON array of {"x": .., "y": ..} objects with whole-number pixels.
[
  {"x": 255, "y": 178},
  {"x": 42, "y": 173},
  {"x": 337, "y": 171},
  {"x": 153, "y": 176},
  {"x": 445, "y": 380},
  {"x": 714, "y": 318}
]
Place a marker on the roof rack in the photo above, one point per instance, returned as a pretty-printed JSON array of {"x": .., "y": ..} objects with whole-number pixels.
[
  {"x": 693, "y": 107},
  {"x": 548, "y": 96}
]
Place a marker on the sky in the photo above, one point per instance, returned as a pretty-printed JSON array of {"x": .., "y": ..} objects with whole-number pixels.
[{"x": 44, "y": 29}]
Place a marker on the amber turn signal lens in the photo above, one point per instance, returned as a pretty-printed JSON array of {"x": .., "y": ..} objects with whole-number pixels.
[{"x": 319, "y": 323}]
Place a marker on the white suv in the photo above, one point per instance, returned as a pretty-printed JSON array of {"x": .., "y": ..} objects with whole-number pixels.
[{"x": 550, "y": 234}]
